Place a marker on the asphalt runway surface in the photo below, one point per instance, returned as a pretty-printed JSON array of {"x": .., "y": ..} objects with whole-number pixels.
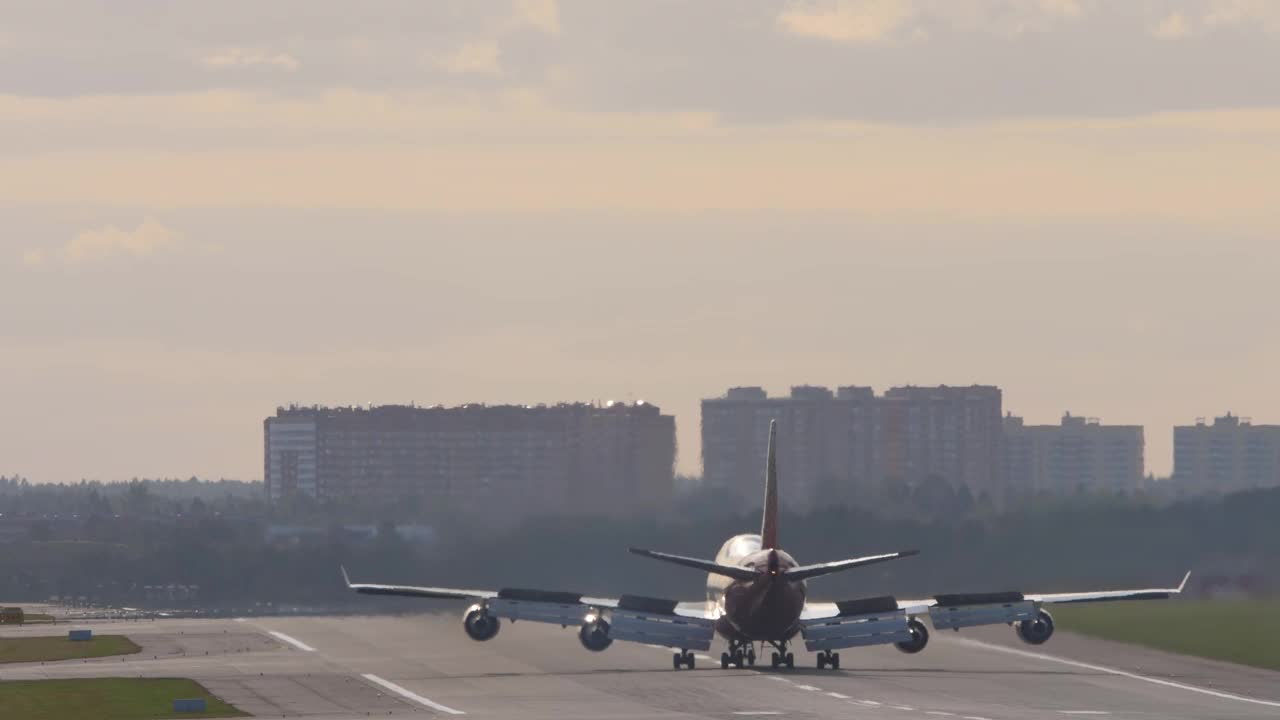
[{"x": 425, "y": 666}]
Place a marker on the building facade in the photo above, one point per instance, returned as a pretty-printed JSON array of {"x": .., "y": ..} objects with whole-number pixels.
[
  {"x": 1079, "y": 453},
  {"x": 837, "y": 446},
  {"x": 503, "y": 462},
  {"x": 1229, "y": 455}
]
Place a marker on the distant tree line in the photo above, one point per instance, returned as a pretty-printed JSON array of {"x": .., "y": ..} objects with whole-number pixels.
[{"x": 111, "y": 542}]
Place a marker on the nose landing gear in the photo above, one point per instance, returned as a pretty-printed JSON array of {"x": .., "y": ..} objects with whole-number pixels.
[{"x": 739, "y": 654}]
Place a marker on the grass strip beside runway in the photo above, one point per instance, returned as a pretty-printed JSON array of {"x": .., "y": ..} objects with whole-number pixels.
[
  {"x": 58, "y": 647},
  {"x": 1242, "y": 632},
  {"x": 105, "y": 699}
]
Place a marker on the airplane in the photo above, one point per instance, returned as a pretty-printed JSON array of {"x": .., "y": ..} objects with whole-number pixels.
[{"x": 757, "y": 593}]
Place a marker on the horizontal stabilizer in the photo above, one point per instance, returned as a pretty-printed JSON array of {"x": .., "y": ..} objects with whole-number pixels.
[
  {"x": 804, "y": 572},
  {"x": 734, "y": 571}
]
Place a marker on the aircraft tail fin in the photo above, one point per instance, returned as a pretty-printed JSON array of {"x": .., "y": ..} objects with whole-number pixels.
[{"x": 769, "y": 526}]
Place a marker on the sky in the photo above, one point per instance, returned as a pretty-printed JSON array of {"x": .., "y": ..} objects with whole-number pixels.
[{"x": 211, "y": 209}]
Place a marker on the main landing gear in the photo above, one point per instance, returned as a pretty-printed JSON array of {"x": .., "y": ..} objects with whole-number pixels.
[
  {"x": 740, "y": 653},
  {"x": 780, "y": 655},
  {"x": 684, "y": 657},
  {"x": 828, "y": 659}
]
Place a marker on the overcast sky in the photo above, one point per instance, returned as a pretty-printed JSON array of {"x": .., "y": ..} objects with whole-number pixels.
[{"x": 210, "y": 209}]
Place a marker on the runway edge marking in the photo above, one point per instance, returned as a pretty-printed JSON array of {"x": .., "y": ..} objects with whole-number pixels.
[
  {"x": 411, "y": 695},
  {"x": 292, "y": 641},
  {"x": 1119, "y": 673}
]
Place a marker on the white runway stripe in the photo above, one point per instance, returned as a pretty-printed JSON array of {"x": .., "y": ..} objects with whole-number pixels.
[
  {"x": 411, "y": 695},
  {"x": 1119, "y": 673},
  {"x": 292, "y": 641}
]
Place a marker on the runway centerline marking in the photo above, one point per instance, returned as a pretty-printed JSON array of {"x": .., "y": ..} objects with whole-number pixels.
[
  {"x": 941, "y": 713},
  {"x": 1118, "y": 673},
  {"x": 869, "y": 703},
  {"x": 411, "y": 695},
  {"x": 902, "y": 707},
  {"x": 292, "y": 641},
  {"x": 757, "y": 712},
  {"x": 838, "y": 696},
  {"x": 1084, "y": 712},
  {"x": 808, "y": 687}
]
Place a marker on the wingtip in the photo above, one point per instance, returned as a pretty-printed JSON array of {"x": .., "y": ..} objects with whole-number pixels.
[
  {"x": 1185, "y": 578},
  {"x": 345, "y": 578}
]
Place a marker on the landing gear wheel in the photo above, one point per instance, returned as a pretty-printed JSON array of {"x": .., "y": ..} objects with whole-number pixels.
[
  {"x": 776, "y": 660},
  {"x": 751, "y": 657},
  {"x": 739, "y": 659},
  {"x": 684, "y": 658},
  {"x": 834, "y": 660},
  {"x": 822, "y": 661},
  {"x": 790, "y": 660},
  {"x": 724, "y": 661}
]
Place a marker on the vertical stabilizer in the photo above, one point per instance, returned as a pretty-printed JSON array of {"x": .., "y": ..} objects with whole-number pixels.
[{"x": 769, "y": 528}]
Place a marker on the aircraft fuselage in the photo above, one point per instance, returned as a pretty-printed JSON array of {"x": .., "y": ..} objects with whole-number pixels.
[{"x": 765, "y": 608}]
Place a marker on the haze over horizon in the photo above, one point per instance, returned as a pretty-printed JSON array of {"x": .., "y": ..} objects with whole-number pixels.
[{"x": 212, "y": 210}]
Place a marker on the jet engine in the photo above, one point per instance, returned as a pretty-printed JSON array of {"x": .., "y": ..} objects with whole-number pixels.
[
  {"x": 595, "y": 634},
  {"x": 479, "y": 624},
  {"x": 919, "y": 638},
  {"x": 1037, "y": 630}
]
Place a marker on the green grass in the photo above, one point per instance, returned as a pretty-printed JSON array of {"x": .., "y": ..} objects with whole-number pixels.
[
  {"x": 105, "y": 699},
  {"x": 36, "y": 618},
  {"x": 1243, "y": 632},
  {"x": 58, "y": 647}
]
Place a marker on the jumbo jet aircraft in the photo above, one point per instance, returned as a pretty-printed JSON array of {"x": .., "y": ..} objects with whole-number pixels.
[{"x": 756, "y": 594}]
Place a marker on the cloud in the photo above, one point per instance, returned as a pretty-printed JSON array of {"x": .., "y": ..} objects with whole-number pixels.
[
  {"x": 240, "y": 57},
  {"x": 541, "y": 14},
  {"x": 854, "y": 21},
  {"x": 479, "y": 57},
  {"x": 149, "y": 238},
  {"x": 1172, "y": 27},
  {"x": 1219, "y": 15}
]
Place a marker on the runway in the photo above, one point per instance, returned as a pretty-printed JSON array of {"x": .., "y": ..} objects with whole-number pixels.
[{"x": 424, "y": 666}]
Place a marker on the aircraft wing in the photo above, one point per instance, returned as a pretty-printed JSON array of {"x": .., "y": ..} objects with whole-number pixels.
[
  {"x": 920, "y": 606},
  {"x": 657, "y": 621},
  {"x": 883, "y": 620},
  {"x": 416, "y": 591}
]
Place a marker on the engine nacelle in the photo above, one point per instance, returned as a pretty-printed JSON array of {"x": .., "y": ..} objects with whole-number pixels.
[
  {"x": 479, "y": 624},
  {"x": 594, "y": 634},
  {"x": 919, "y": 638},
  {"x": 1037, "y": 630}
]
